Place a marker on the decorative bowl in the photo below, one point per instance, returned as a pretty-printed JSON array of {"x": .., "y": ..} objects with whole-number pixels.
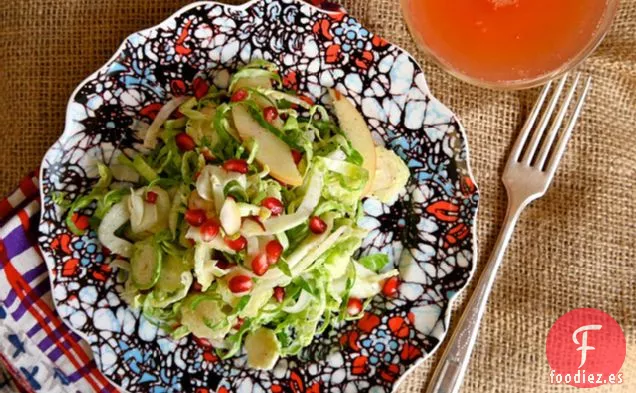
[{"x": 429, "y": 234}]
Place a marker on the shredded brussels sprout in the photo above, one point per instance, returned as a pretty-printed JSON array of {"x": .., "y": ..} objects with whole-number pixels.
[{"x": 241, "y": 226}]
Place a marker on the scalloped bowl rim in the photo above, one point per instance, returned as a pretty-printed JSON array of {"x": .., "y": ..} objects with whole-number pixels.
[{"x": 66, "y": 133}]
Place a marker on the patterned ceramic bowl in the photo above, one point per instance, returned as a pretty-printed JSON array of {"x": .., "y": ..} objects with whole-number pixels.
[{"x": 428, "y": 234}]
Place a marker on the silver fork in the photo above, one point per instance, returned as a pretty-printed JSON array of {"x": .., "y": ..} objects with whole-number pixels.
[{"x": 531, "y": 166}]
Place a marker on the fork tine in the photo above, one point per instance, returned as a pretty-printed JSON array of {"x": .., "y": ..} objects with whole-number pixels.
[
  {"x": 525, "y": 131},
  {"x": 552, "y": 133},
  {"x": 565, "y": 136},
  {"x": 538, "y": 132}
]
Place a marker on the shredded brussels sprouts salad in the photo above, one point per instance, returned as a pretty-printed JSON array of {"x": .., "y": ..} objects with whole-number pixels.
[{"x": 238, "y": 221}]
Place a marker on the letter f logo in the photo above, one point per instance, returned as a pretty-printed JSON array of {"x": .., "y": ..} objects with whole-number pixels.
[{"x": 583, "y": 344}]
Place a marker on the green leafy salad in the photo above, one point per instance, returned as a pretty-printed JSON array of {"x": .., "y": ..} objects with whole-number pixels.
[{"x": 237, "y": 222}]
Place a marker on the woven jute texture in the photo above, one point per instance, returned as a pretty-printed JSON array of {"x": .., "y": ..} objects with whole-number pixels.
[{"x": 573, "y": 248}]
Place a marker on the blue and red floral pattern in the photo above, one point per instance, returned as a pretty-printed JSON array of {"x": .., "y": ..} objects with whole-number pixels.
[{"x": 428, "y": 233}]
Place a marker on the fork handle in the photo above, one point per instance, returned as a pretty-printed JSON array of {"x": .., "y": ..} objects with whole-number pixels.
[{"x": 453, "y": 364}]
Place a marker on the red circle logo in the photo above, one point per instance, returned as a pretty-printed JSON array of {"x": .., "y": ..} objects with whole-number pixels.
[{"x": 586, "y": 348}]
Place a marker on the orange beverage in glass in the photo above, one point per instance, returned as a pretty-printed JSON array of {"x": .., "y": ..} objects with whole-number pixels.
[{"x": 508, "y": 43}]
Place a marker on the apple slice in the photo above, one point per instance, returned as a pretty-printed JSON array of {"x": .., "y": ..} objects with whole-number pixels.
[
  {"x": 355, "y": 128},
  {"x": 272, "y": 152},
  {"x": 391, "y": 176},
  {"x": 253, "y": 82}
]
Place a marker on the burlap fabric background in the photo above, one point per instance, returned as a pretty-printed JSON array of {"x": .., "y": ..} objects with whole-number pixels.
[{"x": 574, "y": 248}]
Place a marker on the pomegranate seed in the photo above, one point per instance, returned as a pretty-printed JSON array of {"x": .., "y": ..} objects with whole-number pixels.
[
  {"x": 273, "y": 249},
  {"x": 259, "y": 264},
  {"x": 297, "y": 156},
  {"x": 279, "y": 294},
  {"x": 270, "y": 114},
  {"x": 177, "y": 114},
  {"x": 209, "y": 230},
  {"x": 105, "y": 250},
  {"x": 200, "y": 87},
  {"x": 202, "y": 342},
  {"x": 237, "y": 244},
  {"x": 151, "y": 111},
  {"x": 235, "y": 165},
  {"x": 239, "y": 95},
  {"x": 239, "y": 323},
  {"x": 81, "y": 221},
  {"x": 390, "y": 286},
  {"x": 207, "y": 155},
  {"x": 223, "y": 264},
  {"x": 178, "y": 87},
  {"x": 274, "y": 205},
  {"x": 354, "y": 306},
  {"x": 196, "y": 287},
  {"x": 240, "y": 283},
  {"x": 184, "y": 142},
  {"x": 317, "y": 225},
  {"x": 151, "y": 197},
  {"x": 195, "y": 217}
]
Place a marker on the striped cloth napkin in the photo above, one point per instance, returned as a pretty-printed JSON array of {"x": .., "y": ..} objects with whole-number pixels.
[{"x": 38, "y": 353}]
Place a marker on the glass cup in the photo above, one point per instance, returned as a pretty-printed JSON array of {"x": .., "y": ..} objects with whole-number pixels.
[{"x": 435, "y": 46}]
